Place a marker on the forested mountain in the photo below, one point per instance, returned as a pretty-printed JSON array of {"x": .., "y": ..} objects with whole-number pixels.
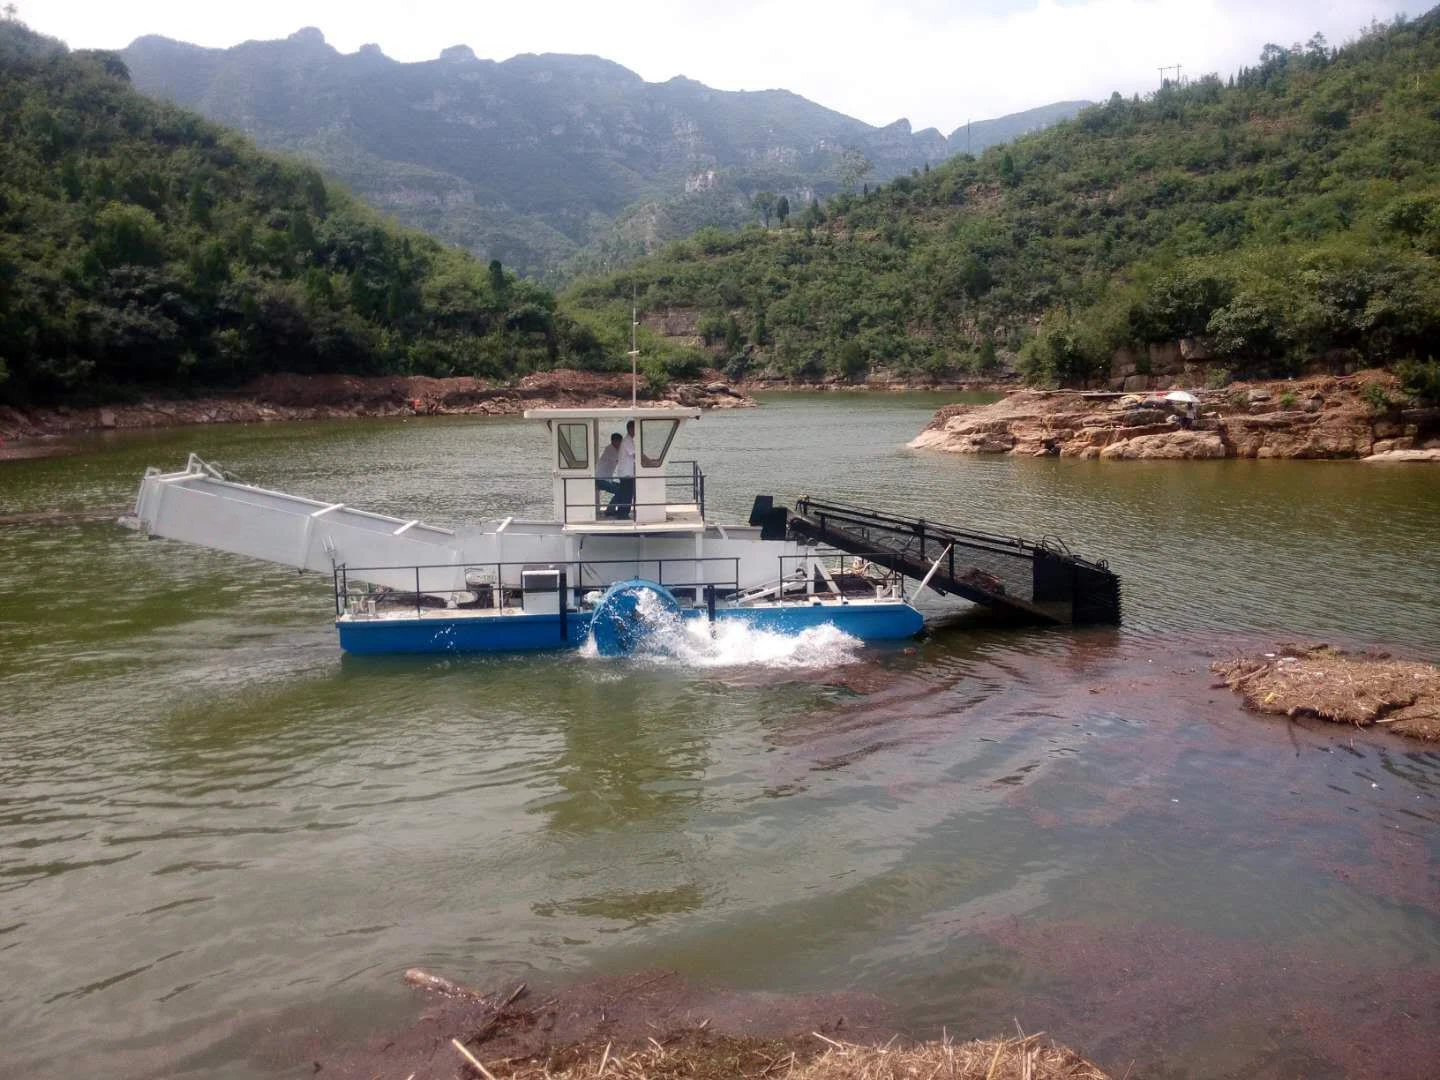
[
  {"x": 142, "y": 246},
  {"x": 726, "y": 201},
  {"x": 531, "y": 159},
  {"x": 1289, "y": 213}
]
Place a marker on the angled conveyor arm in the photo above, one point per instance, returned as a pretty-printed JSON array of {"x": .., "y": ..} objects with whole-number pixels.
[{"x": 199, "y": 506}]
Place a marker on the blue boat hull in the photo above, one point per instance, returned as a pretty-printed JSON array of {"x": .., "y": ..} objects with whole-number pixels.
[{"x": 530, "y": 633}]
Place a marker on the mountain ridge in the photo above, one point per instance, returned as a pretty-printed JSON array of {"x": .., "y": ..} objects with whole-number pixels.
[{"x": 532, "y": 158}]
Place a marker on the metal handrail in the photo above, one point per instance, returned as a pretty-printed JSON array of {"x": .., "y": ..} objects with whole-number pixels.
[
  {"x": 700, "y": 584},
  {"x": 695, "y": 478},
  {"x": 807, "y": 560}
]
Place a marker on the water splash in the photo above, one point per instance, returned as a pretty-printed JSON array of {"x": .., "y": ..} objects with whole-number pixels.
[{"x": 673, "y": 641}]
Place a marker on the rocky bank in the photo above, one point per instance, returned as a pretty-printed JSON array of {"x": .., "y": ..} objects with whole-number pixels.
[
  {"x": 1364, "y": 415},
  {"x": 316, "y": 397}
]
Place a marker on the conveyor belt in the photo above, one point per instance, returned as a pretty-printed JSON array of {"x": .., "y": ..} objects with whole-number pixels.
[{"x": 1036, "y": 582}]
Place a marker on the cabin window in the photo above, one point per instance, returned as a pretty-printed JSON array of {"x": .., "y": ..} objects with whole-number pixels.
[
  {"x": 655, "y": 439},
  {"x": 574, "y": 446}
]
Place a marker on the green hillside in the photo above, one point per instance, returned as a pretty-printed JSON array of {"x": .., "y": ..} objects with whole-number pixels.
[
  {"x": 141, "y": 246},
  {"x": 1287, "y": 215}
]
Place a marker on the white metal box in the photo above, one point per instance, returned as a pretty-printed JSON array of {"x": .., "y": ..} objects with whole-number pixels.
[{"x": 540, "y": 590}]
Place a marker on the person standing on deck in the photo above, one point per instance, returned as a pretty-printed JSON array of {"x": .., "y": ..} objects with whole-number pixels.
[
  {"x": 625, "y": 470},
  {"x": 605, "y": 466}
]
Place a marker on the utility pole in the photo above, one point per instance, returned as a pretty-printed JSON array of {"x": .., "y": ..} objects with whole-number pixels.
[
  {"x": 634, "y": 346},
  {"x": 1170, "y": 67}
]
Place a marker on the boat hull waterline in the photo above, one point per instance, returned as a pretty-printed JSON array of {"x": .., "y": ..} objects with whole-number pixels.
[{"x": 443, "y": 631}]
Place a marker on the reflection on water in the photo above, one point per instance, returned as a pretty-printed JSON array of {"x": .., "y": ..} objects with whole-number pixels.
[{"x": 206, "y": 812}]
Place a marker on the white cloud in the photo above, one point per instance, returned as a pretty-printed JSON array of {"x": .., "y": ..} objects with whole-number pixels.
[{"x": 935, "y": 63}]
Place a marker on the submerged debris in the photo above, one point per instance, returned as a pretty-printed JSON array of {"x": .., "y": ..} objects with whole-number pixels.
[{"x": 1360, "y": 689}]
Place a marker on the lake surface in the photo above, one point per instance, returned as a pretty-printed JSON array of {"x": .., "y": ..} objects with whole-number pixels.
[{"x": 215, "y": 830}]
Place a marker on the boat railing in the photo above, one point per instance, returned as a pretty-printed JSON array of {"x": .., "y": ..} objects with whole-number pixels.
[
  {"x": 697, "y": 580},
  {"x": 685, "y": 486},
  {"x": 829, "y": 574}
]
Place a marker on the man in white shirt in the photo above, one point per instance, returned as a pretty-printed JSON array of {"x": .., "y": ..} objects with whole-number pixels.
[
  {"x": 605, "y": 466},
  {"x": 625, "y": 470}
]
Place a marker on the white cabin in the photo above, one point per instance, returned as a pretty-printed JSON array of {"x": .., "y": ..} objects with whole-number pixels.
[{"x": 667, "y": 496}]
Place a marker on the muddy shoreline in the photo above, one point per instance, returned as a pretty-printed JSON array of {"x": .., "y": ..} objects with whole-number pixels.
[
  {"x": 1360, "y": 416},
  {"x": 655, "y": 1024},
  {"x": 323, "y": 397}
]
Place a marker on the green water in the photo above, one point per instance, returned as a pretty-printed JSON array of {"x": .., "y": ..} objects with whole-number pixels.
[{"x": 210, "y": 820}]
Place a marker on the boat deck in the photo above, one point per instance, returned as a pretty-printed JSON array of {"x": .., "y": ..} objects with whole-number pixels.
[{"x": 679, "y": 518}]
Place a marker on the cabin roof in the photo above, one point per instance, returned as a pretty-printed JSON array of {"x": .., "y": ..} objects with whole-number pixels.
[{"x": 637, "y": 413}]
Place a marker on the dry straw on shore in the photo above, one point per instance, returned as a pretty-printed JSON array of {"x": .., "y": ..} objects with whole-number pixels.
[
  {"x": 698, "y": 1057},
  {"x": 1401, "y": 696}
]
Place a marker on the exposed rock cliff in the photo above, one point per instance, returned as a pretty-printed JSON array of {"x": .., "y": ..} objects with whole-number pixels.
[{"x": 1353, "y": 416}]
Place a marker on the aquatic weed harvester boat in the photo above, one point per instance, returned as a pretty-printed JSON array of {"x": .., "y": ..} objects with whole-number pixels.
[{"x": 622, "y": 557}]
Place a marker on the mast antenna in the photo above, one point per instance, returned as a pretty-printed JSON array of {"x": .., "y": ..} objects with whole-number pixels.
[{"x": 634, "y": 348}]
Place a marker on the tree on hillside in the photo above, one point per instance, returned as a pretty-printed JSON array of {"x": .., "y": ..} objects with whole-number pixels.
[
  {"x": 853, "y": 167},
  {"x": 782, "y": 209},
  {"x": 497, "y": 277},
  {"x": 764, "y": 204},
  {"x": 1006, "y": 169}
]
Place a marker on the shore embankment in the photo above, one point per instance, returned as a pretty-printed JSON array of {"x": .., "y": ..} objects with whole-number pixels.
[
  {"x": 322, "y": 397},
  {"x": 1364, "y": 415},
  {"x": 882, "y": 384}
]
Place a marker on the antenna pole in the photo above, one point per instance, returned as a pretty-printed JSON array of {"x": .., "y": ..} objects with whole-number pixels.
[{"x": 634, "y": 349}]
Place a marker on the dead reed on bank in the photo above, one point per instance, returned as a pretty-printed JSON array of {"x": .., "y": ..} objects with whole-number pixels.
[
  {"x": 702, "y": 1056},
  {"x": 1362, "y": 689}
]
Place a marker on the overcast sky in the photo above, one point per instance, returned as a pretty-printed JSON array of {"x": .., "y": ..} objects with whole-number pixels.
[{"x": 937, "y": 63}]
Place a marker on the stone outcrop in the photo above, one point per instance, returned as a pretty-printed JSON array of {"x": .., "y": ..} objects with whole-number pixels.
[
  {"x": 315, "y": 397},
  {"x": 1352, "y": 416},
  {"x": 1406, "y": 455}
]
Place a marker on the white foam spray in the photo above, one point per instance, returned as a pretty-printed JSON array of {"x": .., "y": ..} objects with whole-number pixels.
[{"x": 697, "y": 643}]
